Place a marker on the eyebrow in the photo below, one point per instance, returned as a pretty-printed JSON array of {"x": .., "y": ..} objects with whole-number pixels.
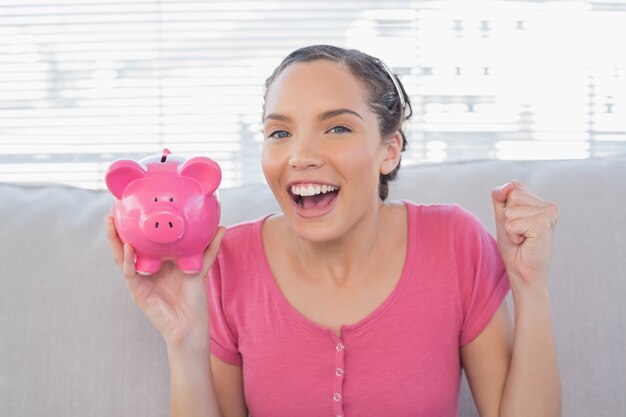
[
  {"x": 324, "y": 116},
  {"x": 332, "y": 113}
]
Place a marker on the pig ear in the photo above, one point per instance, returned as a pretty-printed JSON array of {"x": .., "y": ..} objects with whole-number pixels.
[
  {"x": 204, "y": 170},
  {"x": 120, "y": 174}
]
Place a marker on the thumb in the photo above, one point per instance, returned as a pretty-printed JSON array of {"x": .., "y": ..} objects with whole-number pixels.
[
  {"x": 212, "y": 250},
  {"x": 499, "y": 196}
]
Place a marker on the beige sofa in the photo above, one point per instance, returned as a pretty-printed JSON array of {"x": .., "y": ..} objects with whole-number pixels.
[{"x": 72, "y": 343}]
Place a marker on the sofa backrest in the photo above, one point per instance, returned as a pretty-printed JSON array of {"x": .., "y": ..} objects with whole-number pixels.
[{"x": 72, "y": 343}]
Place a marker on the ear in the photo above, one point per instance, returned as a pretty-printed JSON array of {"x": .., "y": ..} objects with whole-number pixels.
[
  {"x": 120, "y": 174},
  {"x": 204, "y": 170},
  {"x": 392, "y": 148}
]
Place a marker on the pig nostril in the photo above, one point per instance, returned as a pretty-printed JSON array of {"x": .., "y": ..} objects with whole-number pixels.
[
  {"x": 171, "y": 225},
  {"x": 172, "y": 199},
  {"x": 156, "y": 225}
]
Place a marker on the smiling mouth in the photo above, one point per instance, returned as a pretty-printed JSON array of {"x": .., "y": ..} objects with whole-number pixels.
[{"x": 313, "y": 196}]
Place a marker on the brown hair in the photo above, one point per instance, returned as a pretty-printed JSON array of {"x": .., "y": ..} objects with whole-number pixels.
[{"x": 384, "y": 97}]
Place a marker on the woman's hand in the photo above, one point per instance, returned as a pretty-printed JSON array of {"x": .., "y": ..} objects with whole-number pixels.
[
  {"x": 174, "y": 302},
  {"x": 525, "y": 226}
]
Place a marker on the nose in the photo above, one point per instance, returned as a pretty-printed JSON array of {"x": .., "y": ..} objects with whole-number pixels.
[
  {"x": 163, "y": 227},
  {"x": 305, "y": 152}
]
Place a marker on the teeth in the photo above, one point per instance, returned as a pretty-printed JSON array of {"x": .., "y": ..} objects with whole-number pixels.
[{"x": 312, "y": 189}]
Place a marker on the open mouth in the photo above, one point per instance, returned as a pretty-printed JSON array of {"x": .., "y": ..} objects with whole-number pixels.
[{"x": 313, "y": 196}]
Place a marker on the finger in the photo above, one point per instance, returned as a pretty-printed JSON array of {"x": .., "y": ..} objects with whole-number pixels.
[
  {"x": 514, "y": 213},
  {"x": 500, "y": 193},
  {"x": 128, "y": 266},
  {"x": 519, "y": 197},
  {"x": 115, "y": 244},
  {"x": 529, "y": 227},
  {"x": 542, "y": 217},
  {"x": 522, "y": 195},
  {"x": 134, "y": 281},
  {"x": 517, "y": 230},
  {"x": 500, "y": 196},
  {"x": 212, "y": 250},
  {"x": 545, "y": 208},
  {"x": 517, "y": 212},
  {"x": 513, "y": 237}
]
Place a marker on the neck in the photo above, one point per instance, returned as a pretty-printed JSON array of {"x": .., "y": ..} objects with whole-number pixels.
[{"x": 345, "y": 260}]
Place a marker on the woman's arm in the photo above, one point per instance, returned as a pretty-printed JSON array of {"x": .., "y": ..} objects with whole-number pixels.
[
  {"x": 192, "y": 392},
  {"x": 515, "y": 373},
  {"x": 533, "y": 385},
  {"x": 519, "y": 375},
  {"x": 486, "y": 361},
  {"x": 203, "y": 385},
  {"x": 228, "y": 380},
  {"x": 525, "y": 226}
]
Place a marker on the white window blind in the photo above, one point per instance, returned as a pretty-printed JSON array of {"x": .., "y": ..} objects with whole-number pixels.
[{"x": 83, "y": 83}]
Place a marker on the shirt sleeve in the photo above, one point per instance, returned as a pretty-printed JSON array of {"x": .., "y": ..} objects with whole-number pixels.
[
  {"x": 482, "y": 280},
  {"x": 223, "y": 339}
]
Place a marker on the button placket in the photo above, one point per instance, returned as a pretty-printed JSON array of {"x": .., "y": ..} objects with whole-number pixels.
[{"x": 339, "y": 378}]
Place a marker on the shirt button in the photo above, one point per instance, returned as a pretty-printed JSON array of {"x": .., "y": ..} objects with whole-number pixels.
[
  {"x": 338, "y": 371},
  {"x": 337, "y": 396},
  {"x": 339, "y": 347}
]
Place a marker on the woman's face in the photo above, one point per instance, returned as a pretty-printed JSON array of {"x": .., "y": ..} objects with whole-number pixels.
[{"x": 322, "y": 152}]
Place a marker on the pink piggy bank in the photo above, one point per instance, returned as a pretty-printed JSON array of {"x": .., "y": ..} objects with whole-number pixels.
[{"x": 167, "y": 208}]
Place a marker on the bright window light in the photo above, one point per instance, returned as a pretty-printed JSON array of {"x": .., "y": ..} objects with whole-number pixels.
[{"x": 85, "y": 83}]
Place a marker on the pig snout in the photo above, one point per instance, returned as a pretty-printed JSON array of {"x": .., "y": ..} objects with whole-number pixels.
[{"x": 163, "y": 227}]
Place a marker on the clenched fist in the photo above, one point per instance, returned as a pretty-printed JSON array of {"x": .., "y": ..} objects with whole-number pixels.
[{"x": 525, "y": 226}]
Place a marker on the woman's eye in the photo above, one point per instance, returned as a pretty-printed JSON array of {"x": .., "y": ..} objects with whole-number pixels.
[
  {"x": 278, "y": 134},
  {"x": 340, "y": 129}
]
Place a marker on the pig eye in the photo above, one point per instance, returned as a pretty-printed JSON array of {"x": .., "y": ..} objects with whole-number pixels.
[
  {"x": 172, "y": 199},
  {"x": 156, "y": 199}
]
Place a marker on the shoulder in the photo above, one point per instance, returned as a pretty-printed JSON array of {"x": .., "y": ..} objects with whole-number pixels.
[
  {"x": 243, "y": 233},
  {"x": 447, "y": 227},
  {"x": 447, "y": 209},
  {"x": 242, "y": 230},
  {"x": 240, "y": 255},
  {"x": 441, "y": 215},
  {"x": 241, "y": 243}
]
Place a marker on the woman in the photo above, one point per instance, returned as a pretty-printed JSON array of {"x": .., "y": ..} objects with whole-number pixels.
[{"x": 344, "y": 303}]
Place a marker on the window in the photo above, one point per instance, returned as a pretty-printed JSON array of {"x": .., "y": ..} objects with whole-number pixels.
[{"x": 85, "y": 83}]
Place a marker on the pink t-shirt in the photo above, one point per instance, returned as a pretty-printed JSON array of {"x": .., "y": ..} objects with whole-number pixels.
[{"x": 401, "y": 360}]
